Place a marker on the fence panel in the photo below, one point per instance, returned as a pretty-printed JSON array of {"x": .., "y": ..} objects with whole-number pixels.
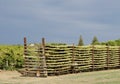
[{"x": 48, "y": 59}]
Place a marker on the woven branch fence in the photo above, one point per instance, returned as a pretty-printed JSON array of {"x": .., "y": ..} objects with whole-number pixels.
[{"x": 48, "y": 60}]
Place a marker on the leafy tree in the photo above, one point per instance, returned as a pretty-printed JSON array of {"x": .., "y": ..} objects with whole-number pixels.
[
  {"x": 111, "y": 43},
  {"x": 81, "y": 43},
  {"x": 103, "y": 43},
  {"x": 95, "y": 41},
  {"x": 117, "y": 42}
]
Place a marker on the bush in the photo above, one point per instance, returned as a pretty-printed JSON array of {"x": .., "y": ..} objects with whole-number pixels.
[{"x": 11, "y": 57}]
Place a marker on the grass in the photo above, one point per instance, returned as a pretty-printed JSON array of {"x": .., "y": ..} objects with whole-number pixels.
[{"x": 97, "y": 77}]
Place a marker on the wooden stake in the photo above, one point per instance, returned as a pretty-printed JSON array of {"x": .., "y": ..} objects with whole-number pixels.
[
  {"x": 43, "y": 46},
  {"x": 25, "y": 45},
  {"x": 44, "y": 59},
  {"x": 119, "y": 57},
  {"x": 107, "y": 57},
  {"x": 73, "y": 49},
  {"x": 93, "y": 57},
  {"x": 73, "y": 64}
]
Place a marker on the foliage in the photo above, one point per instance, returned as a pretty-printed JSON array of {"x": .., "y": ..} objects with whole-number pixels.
[
  {"x": 11, "y": 56},
  {"x": 56, "y": 44},
  {"x": 111, "y": 42},
  {"x": 117, "y": 42},
  {"x": 81, "y": 43},
  {"x": 95, "y": 41}
]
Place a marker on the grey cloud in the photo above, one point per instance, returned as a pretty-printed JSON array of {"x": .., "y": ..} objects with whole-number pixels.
[{"x": 61, "y": 18}]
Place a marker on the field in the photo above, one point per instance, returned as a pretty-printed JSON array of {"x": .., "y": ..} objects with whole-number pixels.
[{"x": 97, "y": 77}]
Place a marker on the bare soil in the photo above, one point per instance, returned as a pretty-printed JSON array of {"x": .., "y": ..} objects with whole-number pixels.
[{"x": 99, "y": 77}]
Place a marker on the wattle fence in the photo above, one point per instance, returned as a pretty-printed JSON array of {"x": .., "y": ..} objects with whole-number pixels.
[{"x": 44, "y": 60}]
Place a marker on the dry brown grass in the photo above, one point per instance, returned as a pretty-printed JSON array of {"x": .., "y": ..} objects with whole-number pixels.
[{"x": 98, "y": 77}]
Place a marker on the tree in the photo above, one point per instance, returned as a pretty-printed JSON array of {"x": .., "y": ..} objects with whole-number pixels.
[
  {"x": 81, "y": 43},
  {"x": 95, "y": 41},
  {"x": 111, "y": 43},
  {"x": 117, "y": 42}
]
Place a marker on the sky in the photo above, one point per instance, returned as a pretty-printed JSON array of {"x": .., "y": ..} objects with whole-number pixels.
[{"x": 59, "y": 21}]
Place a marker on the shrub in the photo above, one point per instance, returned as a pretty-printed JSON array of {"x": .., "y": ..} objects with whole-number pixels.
[{"x": 11, "y": 57}]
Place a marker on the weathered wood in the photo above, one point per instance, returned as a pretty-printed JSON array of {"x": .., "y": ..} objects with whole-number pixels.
[
  {"x": 108, "y": 55},
  {"x": 25, "y": 45},
  {"x": 119, "y": 57},
  {"x": 64, "y": 59},
  {"x": 43, "y": 59},
  {"x": 93, "y": 58}
]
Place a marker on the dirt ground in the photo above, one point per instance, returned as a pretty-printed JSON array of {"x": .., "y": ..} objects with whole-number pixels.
[{"x": 99, "y": 77}]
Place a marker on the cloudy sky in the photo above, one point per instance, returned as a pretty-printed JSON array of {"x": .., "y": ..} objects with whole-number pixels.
[{"x": 59, "y": 20}]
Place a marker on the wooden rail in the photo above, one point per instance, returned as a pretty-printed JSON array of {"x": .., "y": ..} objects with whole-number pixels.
[{"x": 48, "y": 59}]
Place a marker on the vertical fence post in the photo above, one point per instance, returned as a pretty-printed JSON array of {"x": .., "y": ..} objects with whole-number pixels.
[
  {"x": 108, "y": 53},
  {"x": 25, "y": 45},
  {"x": 93, "y": 57},
  {"x": 44, "y": 66},
  {"x": 73, "y": 64},
  {"x": 25, "y": 53},
  {"x": 73, "y": 54},
  {"x": 43, "y": 46},
  {"x": 119, "y": 56}
]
